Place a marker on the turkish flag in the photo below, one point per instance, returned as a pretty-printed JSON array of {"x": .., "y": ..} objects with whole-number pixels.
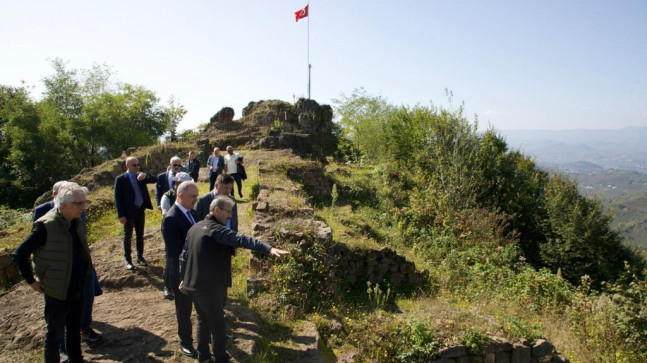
[{"x": 302, "y": 13}]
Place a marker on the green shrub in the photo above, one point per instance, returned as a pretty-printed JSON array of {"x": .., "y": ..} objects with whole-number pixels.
[
  {"x": 304, "y": 280},
  {"x": 474, "y": 340}
]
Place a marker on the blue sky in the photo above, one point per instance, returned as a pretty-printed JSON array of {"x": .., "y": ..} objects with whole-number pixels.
[{"x": 516, "y": 64}]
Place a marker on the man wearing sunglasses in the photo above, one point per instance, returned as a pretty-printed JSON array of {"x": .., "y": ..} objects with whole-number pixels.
[
  {"x": 132, "y": 199},
  {"x": 165, "y": 179}
]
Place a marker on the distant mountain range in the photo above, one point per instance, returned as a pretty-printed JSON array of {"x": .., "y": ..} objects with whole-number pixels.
[
  {"x": 605, "y": 149},
  {"x": 609, "y": 164}
]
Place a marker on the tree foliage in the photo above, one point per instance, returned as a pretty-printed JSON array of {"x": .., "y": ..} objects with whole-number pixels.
[
  {"x": 83, "y": 119},
  {"x": 441, "y": 167}
]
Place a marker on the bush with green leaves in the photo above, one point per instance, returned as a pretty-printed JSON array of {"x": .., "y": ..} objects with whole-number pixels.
[{"x": 304, "y": 279}]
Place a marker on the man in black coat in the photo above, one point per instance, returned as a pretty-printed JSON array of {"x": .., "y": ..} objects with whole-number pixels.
[
  {"x": 175, "y": 225},
  {"x": 165, "y": 179},
  {"x": 206, "y": 273},
  {"x": 132, "y": 199},
  {"x": 193, "y": 166}
]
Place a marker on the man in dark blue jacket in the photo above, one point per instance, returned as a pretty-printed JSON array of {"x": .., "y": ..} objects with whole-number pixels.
[
  {"x": 165, "y": 179},
  {"x": 175, "y": 225},
  {"x": 132, "y": 199}
]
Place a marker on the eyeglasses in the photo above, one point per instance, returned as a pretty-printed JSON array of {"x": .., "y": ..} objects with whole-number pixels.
[
  {"x": 176, "y": 165},
  {"x": 134, "y": 164},
  {"x": 80, "y": 204}
]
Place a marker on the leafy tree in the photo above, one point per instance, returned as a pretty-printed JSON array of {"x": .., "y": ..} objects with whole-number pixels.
[
  {"x": 83, "y": 119},
  {"x": 579, "y": 240},
  {"x": 363, "y": 117},
  {"x": 173, "y": 114},
  {"x": 31, "y": 154},
  {"x": 439, "y": 167}
]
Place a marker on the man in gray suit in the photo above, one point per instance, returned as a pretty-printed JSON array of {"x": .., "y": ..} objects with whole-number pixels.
[{"x": 216, "y": 164}]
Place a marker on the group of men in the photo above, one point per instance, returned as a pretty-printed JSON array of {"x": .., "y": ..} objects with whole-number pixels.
[{"x": 200, "y": 237}]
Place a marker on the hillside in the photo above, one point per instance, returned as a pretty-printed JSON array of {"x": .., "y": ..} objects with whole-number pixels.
[{"x": 363, "y": 282}]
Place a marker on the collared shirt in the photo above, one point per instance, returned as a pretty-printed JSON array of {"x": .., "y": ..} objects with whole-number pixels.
[
  {"x": 139, "y": 200},
  {"x": 215, "y": 160},
  {"x": 170, "y": 176},
  {"x": 230, "y": 160},
  {"x": 185, "y": 211}
]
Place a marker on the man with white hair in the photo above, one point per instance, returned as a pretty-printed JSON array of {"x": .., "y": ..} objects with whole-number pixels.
[
  {"x": 90, "y": 290},
  {"x": 165, "y": 179},
  {"x": 61, "y": 257}
]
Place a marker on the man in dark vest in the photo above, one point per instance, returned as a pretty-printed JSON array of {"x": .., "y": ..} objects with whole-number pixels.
[
  {"x": 132, "y": 199},
  {"x": 205, "y": 266},
  {"x": 62, "y": 260}
]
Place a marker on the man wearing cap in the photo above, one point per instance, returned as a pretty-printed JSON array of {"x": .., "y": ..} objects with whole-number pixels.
[
  {"x": 168, "y": 199},
  {"x": 131, "y": 199}
]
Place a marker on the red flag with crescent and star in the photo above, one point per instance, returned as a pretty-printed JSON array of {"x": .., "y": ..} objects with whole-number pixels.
[{"x": 302, "y": 13}]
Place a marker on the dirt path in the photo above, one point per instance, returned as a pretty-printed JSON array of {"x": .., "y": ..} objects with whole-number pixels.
[{"x": 136, "y": 322}]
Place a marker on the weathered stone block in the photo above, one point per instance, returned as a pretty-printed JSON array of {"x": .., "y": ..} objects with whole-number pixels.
[
  {"x": 453, "y": 352},
  {"x": 542, "y": 348},
  {"x": 520, "y": 353}
]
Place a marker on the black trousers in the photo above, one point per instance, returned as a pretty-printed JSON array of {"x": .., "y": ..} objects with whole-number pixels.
[
  {"x": 183, "y": 304},
  {"x": 63, "y": 318},
  {"x": 239, "y": 183},
  {"x": 136, "y": 220},
  {"x": 212, "y": 179},
  {"x": 211, "y": 323}
]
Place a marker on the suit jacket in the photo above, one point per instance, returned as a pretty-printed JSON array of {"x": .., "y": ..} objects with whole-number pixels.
[
  {"x": 42, "y": 209},
  {"x": 175, "y": 226},
  {"x": 125, "y": 194},
  {"x": 193, "y": 168},
  {"x": 46, "y": 207},
  {"x": 220, "y": 164},
  {"x": 202, "y": 209},
  {"x": 205, "y": 263}
]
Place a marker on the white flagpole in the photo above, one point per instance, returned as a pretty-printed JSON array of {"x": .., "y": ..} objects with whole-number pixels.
[{"x": 309, "y": 65}]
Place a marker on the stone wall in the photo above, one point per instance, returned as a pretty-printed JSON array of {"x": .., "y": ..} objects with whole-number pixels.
[
  {"x": 353, "y": 265},
  {"x": 313, "y": 178},
  {"x": 356, "y": 266},
  {"x": 8, "y": 271},
  {"x": 501, "y": 350}
]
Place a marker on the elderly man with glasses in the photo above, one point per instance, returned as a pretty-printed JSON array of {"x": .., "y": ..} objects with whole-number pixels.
[
  {"x": 61, "y": 257},
  {"x": 165, "y": 179},
  {"x": 132, "y": 199}
]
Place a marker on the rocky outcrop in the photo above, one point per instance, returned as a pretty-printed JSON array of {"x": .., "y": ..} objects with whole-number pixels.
[{"x": 223, "y": 117}]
